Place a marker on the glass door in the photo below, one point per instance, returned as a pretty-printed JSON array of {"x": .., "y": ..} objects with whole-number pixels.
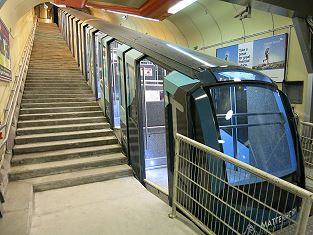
[
  {"x": 114, "y": 84},
  {"x": 153, "y": 118},
  {"x": 134, "y": 122}
]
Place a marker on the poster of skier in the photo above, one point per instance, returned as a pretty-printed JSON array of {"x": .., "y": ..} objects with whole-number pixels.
[
  {"x": 268, "y": 55},
  {"x": 5, "y": 65}
]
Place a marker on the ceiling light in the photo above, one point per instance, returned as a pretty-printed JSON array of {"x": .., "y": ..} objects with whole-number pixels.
[
  {"x": 180, "y": 5},
  {"x": 45, "y": 6},
  {"x": 141, "y": 17}
]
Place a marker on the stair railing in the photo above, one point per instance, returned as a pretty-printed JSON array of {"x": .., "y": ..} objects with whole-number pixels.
[{"x": 18, "y": 81}]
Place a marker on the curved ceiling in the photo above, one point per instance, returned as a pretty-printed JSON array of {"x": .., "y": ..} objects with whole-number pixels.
[
  {"x": 13, "y": 10},
  {"x": 156, "y": 9}
]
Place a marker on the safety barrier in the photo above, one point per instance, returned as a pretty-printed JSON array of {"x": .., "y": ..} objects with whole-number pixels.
[
  {"x": 18, "y": 81},
  {"x": 223, "y": 195},
  {"x": 306, "y": 133}
]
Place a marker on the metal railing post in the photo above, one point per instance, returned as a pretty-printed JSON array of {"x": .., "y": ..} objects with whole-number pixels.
[
  {"x": 304, "y": 215},
  {"x": 176, "y": 164}
]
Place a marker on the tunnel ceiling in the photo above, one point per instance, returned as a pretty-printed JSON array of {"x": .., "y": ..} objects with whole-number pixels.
[
  {"x": 156, "y": 9},
  {"x": 290, "y": 8},
  {"x": 125, "y": 3}
]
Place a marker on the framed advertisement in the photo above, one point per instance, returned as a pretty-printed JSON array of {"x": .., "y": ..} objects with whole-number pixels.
[
  {"x": 268, "y": 55},
  {"x": 5, "y": 63}
]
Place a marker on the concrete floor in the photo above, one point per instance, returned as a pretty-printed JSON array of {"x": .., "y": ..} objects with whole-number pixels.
[
  {"x": 158, "y": 176},
  {"x": 116, "y": 207}
]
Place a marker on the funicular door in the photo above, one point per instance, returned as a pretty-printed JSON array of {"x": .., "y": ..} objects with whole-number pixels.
[
  {"x": 122, "y": 87},
  {"x": 71, "y": 42},
  {"x": 83, "y": 48},
  {"x": 92, "y": 61},
  {"x": 68, "y": 28},
  {"x": 79, "y": 43},
  {"x": 75, "y": 47},
  {"x": 133, "y": 104},
  {"x": 86, "y": 51},
  {"x": 101, "y": 63},
  {"x": 64, "y": 25},
  {"x": 98, "y": 65},
  {"x": 106, "y": 78}
]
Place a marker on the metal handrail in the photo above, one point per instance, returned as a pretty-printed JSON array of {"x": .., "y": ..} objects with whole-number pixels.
[
  {"x": 307, "y": 124},
  {"x": 262, "y": 174},
  {"x": 9, "y": 111},
  {"x": 201, "y": 153}
]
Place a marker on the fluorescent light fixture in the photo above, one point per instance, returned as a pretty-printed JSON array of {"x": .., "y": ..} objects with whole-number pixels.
[
  {"x": 221, "y": 141},
  {"x": 122, "y": 13},
  {"x": 45, "y": 6},
  {"x": 58, "y": 5},
  {"x": 180, "y": 5},
  {"x": 190, "y": 55},
  {"x": 237, "y": 80},
  {"x": 229, "y": 114}
]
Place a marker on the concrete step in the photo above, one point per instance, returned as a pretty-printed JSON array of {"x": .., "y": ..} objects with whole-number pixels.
[
  {"x": 51, "y": 168},
  {"x": 55, "y": 84},
  {"x": 40, "y": 116},
  {"x": 60, "y": 155},
  {"x": 46, "y": 66},
  {"x": 59, "y": 104},
  {"x": 70, "y": 135},
  {"x": 79, "y": 177},
  {"x": 62, "y": 128},
  {"x": 55, "y": 100},
  {"x": 41, "y": 71},
  {"x": 57, "y": 92},
  {"x": 67, "y": 64},
  {"x": 49, "y": 90},
  {"x": 42, "y": 82},
  {"x": 53, "y": 96},
  {"x": 55, "y": 87},
  {"x": 58, "y": 109},
  {"x": 61, "y": 121},
  {"x": 64, "y": 144},
  {"x": 56, "y": 78}
]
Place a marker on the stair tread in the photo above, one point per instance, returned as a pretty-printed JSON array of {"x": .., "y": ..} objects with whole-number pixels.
[
  {"x": 21, "y": 137},
  {"x": 62, "y": 152},
  {"x": 61, "y": 142},
  {"x": 60, "y": 126},
  {"x": 64, "y": 163},
  {"x": 78, "y": 174},
  {"x": 44, "y": 114},
  {"x": 56, "y": 108},
  {"x": 58, "y": 119}
]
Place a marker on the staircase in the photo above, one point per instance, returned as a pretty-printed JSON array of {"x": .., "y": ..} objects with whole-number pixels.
[{"x": 63, "y": 138}]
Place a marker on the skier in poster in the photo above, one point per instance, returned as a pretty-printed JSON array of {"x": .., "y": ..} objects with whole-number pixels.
[
  {"x": 267, "y": 52},
  {"x": 226, "y": 57}
]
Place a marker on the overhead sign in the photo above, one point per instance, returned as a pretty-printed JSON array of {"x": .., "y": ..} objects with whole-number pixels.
[
  {"x": 268, "y": 55},
  {"x": 5, "y": 67}
]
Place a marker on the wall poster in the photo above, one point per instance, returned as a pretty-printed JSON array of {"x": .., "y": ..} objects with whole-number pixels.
[
  {"x": 269, "y": 55},
  {"x": 5, "y": 66}
]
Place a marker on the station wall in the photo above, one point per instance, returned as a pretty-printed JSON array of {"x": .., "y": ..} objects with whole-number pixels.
[
  {"x": 211, "y": 22},
  {"x": 18, "y": 17}
]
